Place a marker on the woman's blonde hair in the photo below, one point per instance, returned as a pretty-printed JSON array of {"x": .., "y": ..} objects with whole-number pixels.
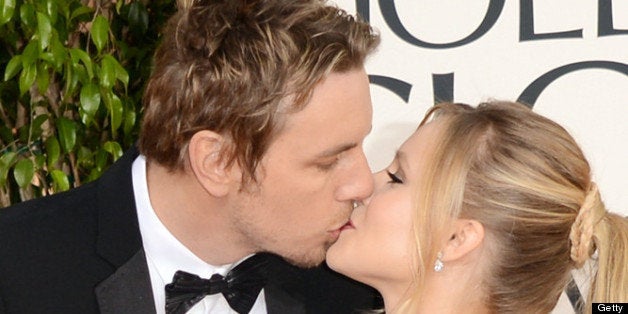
[{"x": 526, "y": 180}]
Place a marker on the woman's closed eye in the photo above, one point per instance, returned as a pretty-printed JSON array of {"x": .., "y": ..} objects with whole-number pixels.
[{"x": 394, "y": 179}]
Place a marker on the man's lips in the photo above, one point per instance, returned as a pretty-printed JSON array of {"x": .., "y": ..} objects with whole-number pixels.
[{"x": 348, "y": 225}]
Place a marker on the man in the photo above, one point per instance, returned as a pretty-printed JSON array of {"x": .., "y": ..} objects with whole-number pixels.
[{"x": 251, "y": 143}]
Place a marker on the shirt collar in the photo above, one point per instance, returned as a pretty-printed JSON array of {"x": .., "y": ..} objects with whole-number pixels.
[{"x": 166, "y": 252}]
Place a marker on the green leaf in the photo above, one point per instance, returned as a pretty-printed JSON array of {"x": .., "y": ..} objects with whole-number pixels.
[
  {"x": 80, "y": 73},
  {"x": 36, "y": 129},
  {"x": 53, "y": 150},
  {"x": 46, "y": 56},
  {"x": 80, "y": 11},
  {"x": 114, "y": 149},
  {"x": 59, "y": 53},
  {"x": 138, "y": 17},
  {"x": 14, "y": 65},
  {"x": 100, "y": 159},
  {"x": 6, "y": 162},
  {"x": 27, "y": 15},
  {"x": 94, "y": 174},
  {"x": 121, "y": 74},
  {"x": 7, "y": 159},
  {"x": 6, "y": 134},
  {"x": 23, "y": 172},
  {"x": 64, "y": 7},
  {"x": 30, "y": 53},
  {"x": 110, "y": 63},
  {"x": 44, "y": 28},
  {"x": 107, "y": 72},
  {"x": 90, "y": 100},
  {"x": 39, "y": 160},
  {"x": 27, "y": 78},
  {"x": 100, "y": 32},
  {"x": 7, "y": 7},
  {"x": 85, "y": 157},
  {"x": 70, "y": 78},
  {"x": 67, "y": 133},
  {"x": 78, "y": 54},
  {"x": 52, "y": 10},
  {"x": 23, "y": 132},
  {"x": 60, "y": 180},
  {"x": 115, "y": 110},
  {"x": 43, "y": 78},
  {"x": 129, "y": 120}
]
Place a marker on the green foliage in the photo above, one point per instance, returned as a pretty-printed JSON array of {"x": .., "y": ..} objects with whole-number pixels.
[{"x": 70, "y": 95}]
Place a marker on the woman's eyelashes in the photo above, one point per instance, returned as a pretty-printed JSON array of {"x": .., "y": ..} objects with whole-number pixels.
[{"x": 394, "y": 179}]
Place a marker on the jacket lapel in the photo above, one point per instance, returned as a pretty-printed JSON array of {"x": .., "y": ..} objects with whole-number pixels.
[
  {"x": 281, "y": 293},
  {"x": 280, "y": 302},
  {"x": 119, "y": 242},
  {"x": 119, "y": 235},
  {"x": 128, "y": 290}
]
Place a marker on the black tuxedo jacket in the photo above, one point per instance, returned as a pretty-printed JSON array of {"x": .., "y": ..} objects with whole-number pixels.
[{"x": 81, "y": 252}]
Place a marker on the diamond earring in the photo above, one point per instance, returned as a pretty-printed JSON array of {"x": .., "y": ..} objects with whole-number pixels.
[
  {"x": 438, "y": 265},
  {"x": 354, "y": 204}
]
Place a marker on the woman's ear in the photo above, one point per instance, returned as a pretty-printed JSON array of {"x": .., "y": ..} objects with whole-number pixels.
[
  {"x": 466, "y": 235},
  {"x": 208, "y": 162}
]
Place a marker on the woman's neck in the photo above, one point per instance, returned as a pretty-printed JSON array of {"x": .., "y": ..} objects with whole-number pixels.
[
  {"x": 441, "y": 293},
  {"x": 450, "y": 305}
]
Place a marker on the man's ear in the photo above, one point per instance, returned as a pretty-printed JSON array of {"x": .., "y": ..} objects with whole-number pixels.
[
  {"x": 466, "y": 235},
  {"x": 208, "y": 162}
]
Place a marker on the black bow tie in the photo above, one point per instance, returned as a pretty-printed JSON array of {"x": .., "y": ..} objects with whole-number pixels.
[{"x": 240, "y": 287}]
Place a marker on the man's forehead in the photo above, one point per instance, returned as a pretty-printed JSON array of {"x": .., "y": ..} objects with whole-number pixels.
[{"x": 336, "y": 118}]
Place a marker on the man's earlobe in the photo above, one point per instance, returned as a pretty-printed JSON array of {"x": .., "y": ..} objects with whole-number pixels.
[
  {"x": 209, "y": 163},
  {"x": 466, "y": 236}
]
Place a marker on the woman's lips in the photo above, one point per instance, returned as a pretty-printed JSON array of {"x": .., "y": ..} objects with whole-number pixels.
[{"x": 336, "y": 232}]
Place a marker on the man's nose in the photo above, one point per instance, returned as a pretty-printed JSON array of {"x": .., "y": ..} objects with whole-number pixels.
[{"x": 359, "y": 183}]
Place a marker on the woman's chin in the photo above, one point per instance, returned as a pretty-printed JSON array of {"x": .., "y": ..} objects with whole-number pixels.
[
  {"x": 332, "y": 257},
  {"x": 336, "y": 257}
]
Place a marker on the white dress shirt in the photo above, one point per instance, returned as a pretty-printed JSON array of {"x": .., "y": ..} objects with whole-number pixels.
[{"x": 165, "y": 254}]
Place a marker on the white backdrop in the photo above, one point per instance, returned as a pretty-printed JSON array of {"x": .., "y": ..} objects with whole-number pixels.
[
  {"x": 591, "y": 102},
  {"x": 471, "y": 51}
]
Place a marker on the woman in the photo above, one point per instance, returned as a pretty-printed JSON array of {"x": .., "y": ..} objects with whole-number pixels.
[{"x": 484, "y": 210}]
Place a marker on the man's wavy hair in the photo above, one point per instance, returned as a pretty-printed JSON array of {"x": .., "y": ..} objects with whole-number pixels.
[{"x": 229, "y": 65}]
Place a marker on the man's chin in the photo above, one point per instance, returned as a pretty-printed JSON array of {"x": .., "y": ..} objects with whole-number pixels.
[{"x": 305, "y": 260}]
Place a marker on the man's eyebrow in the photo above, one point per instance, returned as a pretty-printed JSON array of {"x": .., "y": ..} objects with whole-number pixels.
[
  {"x": 336, "y": 150},
  {"x": 340, "y": 148}
]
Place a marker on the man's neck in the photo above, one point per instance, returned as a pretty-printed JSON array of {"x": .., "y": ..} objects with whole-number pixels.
[{"x": 197, "y": 219}]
